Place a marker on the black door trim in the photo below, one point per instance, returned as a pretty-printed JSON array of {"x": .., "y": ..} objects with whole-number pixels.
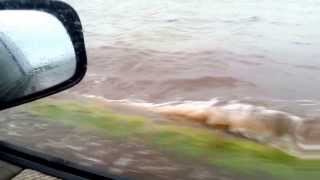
[{"x": 50, "y": 165}]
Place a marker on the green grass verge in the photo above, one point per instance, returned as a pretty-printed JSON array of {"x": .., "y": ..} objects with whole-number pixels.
[{"x": 237, "y": 155}]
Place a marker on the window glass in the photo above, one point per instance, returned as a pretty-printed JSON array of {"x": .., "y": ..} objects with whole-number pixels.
[{"x": 187, "y": 89}]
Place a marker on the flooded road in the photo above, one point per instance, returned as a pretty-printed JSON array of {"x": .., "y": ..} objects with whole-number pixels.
[
  {"x": 250, "y": 58},
  {"x": 248, "y": 67},
  {"x": 160, "y": 51}
]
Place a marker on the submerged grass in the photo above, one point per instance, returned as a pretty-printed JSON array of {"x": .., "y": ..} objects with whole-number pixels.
[{"x": 234, "y": 154}]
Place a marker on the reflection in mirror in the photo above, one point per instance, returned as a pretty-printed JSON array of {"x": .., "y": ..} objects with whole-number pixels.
[{"x": 36, "y": 53}]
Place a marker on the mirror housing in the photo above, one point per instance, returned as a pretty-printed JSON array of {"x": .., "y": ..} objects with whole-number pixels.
[{"x": 30, "y": 64}]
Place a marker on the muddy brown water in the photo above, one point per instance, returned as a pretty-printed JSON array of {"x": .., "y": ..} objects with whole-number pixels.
[
  {"x": 249, "y": 59},
  {"x": 191, "y": 52}
]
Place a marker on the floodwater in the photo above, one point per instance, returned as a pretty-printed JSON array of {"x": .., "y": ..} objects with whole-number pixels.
[
  {"x": 247, "y": 67},
  {"x": 251, "y": 59}
]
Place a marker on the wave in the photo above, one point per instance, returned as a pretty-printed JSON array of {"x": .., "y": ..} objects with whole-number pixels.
[
  {"x": 250, "y": 121},
  {"x": 245, "y": 119}
]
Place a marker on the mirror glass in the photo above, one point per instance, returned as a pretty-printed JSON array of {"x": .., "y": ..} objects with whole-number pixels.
[{"x": 36, "y": 53}]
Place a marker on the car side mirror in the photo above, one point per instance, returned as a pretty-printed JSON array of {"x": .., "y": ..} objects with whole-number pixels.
[{"x": 42, "y": 50}]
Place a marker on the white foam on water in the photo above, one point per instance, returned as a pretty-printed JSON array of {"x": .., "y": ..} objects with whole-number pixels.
[
  {"x": 305, "y": 101},
  {"x": 308, "y": 147},
  {"x": 309, "y": 104},
  {"x": 251, "y": 121}
]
